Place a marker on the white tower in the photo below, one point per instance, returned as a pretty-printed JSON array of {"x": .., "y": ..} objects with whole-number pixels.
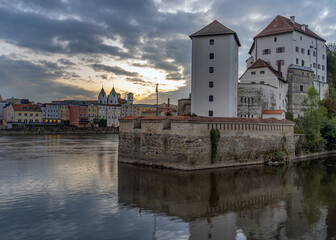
[
  {"x": 130, "y": 98},
  {"x": 102, "y": 97},
  {"x": 214, "y": 71}
]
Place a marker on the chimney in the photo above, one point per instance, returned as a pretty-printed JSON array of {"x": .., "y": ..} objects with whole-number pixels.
[
  {"x": 168, "y": 102},
  {"x": 279, "y": 69},
  {"x": 292, "y": 18},
  {"x": 304, "y": 27}
]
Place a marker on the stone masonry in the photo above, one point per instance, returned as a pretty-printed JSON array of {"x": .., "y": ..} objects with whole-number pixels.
[{"x": 184, "y": 142}]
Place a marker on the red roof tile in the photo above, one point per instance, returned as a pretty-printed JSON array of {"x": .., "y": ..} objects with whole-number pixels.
[
  {"x": 261, "y": 63},
  {"x": 27, "y": 107},
  {"x": 212, "y": 119},
  {"x": 273, "y": 111},
  {"x": 282, "y": 24},
  {"x": 215, "y": 28}
]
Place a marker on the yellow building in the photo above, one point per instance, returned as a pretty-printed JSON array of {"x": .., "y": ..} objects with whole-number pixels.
[
  {"x": 24, "y": 114},
  {"x": 144, "y": 108},
  {"x": 64, "y": 112},
  {"x": 92, "y": 112}
]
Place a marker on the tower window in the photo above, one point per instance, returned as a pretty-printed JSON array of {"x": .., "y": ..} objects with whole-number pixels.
[
  {"x": 211, "y": 98},
  {"x": 211, "y": 55},
  {"x": 211, "y": 70},
  {"x": 262, "y": 72},
  {"x": 301, "y": 88},
  {"x": 297, "y": 61},
  {"x": 212, "y": 41},
  {"x": 302, "y": 63},
  {"x": 308, "y": 52},
  {"x": 275, "y": 39},
  {"x": 253, "y": 73},
  {"x": 210, "y": 113},
  {"x": 211, "y": 84}
]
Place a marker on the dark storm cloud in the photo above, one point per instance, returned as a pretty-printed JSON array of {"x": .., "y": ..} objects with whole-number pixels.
[
  {"x": 92, "y": 30},
  {"x": 28, "y": 80},
  {"x": 113, "y": 69}
]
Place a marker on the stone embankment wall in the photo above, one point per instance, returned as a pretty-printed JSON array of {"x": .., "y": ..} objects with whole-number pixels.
[
  {"x": 184, "y": 142},
  {"x": 57, "y": 129}
]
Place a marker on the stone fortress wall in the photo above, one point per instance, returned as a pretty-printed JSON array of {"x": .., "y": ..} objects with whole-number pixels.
[{"x": 184, "y": 142}]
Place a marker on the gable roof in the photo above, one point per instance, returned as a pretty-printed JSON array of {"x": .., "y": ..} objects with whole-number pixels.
[
  {"x": 215, "y": 28},
  {"x": 282, "y": 24},
  {"x": 27, "y": 107},
  {"x": 261, "y": 63}
]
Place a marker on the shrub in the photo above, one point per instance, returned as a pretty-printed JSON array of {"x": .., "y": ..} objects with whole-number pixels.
[
  {"x": 214, "y": 137},
  {"x": 329, "y": 135}
]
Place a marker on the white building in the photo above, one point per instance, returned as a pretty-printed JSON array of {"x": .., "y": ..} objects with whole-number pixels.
[
  {"x": 50, "y": 112},
  {"x": 289, "y": 42},
  {"x": 261, "y": 87},
  {"x": 214, "y": 71}
]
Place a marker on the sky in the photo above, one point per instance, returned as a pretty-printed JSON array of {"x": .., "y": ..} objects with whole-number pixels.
[{"x": 69, "y": 49}]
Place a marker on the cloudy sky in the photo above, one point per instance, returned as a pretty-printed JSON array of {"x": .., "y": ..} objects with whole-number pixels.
[{"x": 69, "y": 49}]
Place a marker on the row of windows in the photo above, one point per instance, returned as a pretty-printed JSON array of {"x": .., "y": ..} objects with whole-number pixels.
[
  {"x": 31, "y": 114},
  {"x": 278, "y": 50},
  {"x": 30, "y": 120},
  {"x": 257, "y": 127},
  {"x": 246, "y": 100},
  {"x": 261, "y": 72}
]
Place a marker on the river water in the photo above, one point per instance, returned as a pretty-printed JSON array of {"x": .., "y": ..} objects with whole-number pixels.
[{"x": 71, "y": 187}]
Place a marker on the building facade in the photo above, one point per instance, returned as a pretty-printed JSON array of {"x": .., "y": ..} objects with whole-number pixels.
[
  {"x": 261, "y": 88},
  {"x": 22, "y": 114},
  {"x": 287, "y": 42},
  {"x": 78, "y": 116},
  {"x": 51, "y": 113},
  {"x": 214, "y": 71}
]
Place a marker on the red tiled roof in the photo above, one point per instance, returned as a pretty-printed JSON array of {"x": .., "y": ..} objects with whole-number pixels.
[
  {"x": 282, "y": 24},
  {"x": 27, "y": 107},
  {"x": 129, "y": 118},
  {"x": 212, "y": 119},
  {"x": 229, "y": 119},
  {"x": 261, "y": 63},
  {"x": 273, "y": 111},
  {"x": 215, "y": 28}
]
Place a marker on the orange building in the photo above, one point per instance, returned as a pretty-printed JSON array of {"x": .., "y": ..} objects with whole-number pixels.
[{"x": 78, "y": 116}]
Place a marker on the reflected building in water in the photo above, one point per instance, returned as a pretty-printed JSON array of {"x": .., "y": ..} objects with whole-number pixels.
[{"x": 253, "y": 203}]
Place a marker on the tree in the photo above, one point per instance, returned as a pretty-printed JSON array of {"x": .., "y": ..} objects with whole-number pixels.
[{"x": 315, "y": 117}]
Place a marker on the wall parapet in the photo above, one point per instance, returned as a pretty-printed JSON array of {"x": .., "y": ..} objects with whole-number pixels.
[{"x": 185, "y": 141}]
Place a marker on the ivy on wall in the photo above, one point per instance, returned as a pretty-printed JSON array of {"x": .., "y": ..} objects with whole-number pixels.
[{"x": 214, "y": 137}]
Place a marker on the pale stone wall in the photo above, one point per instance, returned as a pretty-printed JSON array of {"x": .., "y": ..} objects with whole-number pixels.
[{"x": 177, "y": 143}]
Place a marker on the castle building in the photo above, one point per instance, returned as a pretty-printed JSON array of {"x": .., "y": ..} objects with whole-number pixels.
[
  {"x": 287, "y": 42},
  {"x": 287, "y": 58},
  {"x": 214, "y": 71}
]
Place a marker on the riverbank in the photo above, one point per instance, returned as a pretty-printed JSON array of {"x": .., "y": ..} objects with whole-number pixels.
[
  {"x": 37, "y": 130},
  {"x": 229, "y": 164}
]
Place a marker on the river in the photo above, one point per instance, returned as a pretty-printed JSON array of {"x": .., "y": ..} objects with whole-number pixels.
[{"x": 71, "y": 187}]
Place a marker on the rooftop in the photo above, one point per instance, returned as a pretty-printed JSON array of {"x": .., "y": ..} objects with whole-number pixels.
[
  {"x": 215, "y": 28},
  {"x": 211, "y": 119},
  {"x": 273, "y": 111},
  {"x": 27, "y": 107},
  {"x": 282, "y": 24},
  {"x": 261, "y": 63}
]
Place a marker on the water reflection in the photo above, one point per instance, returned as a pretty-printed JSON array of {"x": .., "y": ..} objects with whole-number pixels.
[
  {"x": 250, "y": 203},
  {"x": 68, "y": 186}
]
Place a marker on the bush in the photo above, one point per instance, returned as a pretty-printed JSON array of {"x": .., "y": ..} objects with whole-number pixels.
[
  {"x": 214, "y": 137},
  {"x": 329, "y": 135}
]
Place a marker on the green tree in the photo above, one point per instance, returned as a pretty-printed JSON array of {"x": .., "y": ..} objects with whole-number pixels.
[
  {"x": 331, "y": 63},
  {"x": 315, "y": 117},
  {"x": 329, "y": 134}
]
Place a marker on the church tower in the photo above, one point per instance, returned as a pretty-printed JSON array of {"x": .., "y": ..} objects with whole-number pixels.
[
  {"x": 102, "y": 97},
  {"x": 113, "y": 97},
  {"x": 214, "y": 77}
]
